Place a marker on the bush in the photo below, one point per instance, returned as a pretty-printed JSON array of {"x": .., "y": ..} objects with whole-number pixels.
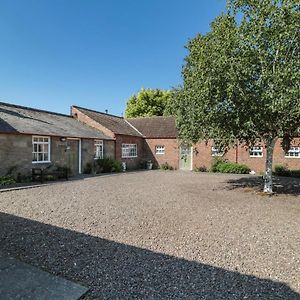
[
  {"x": 221, "y": 166},
  {"x": 88, "y": 169},
  {"x": 166, "y": 166},
  {"x": 280, "y": 170},
  {"x": 21, "y": 178},
  {"x": 200, "y": 169},
  {"x": 107, "y": 165},
  {"x": 7, "y": 180}
]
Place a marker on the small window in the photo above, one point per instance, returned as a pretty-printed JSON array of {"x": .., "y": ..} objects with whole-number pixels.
[
  {"x": 216, "y": 151},
  {"x": 160, "y": 149},
  {"x": 40, "y": 149},
  {"x": 129, "y": 150},
  {"x": 98, "y": 149},
  {"x": 293, "y": 152},
  {"x": 256, "y": 151}
]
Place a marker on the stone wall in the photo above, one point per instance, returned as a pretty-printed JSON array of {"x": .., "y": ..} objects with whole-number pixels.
[{"x": 16, "y": 153}]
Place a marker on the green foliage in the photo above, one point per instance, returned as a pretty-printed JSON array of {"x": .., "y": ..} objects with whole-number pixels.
[
  {"x": 242, "y": 79},
  {"x": 221, "y": 166},
  {"x": 88, "y": 169},
  {"x": 200, "y": 169},
  {"x": 166, "y": 166},
  {"x": 280, "y": 170},
  {"x": 7, "y": 180},
  {"x": 107, "y": 165},
  {"x": 22, "y": 178},
  {"x": 147, "y": 103}
]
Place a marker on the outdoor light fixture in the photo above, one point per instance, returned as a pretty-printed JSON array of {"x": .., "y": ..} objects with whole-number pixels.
[{"x": 62, "y": 139}]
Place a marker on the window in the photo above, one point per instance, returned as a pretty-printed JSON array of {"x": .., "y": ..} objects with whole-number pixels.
[
  {"x": 216, "y": 151},
  {"x": 40, "y": 149},
  {"x": 160, "y": 149},
  {"x": 256, "y": 151},
  {"x": 293, "y": 152},
  {"x": 129, "y": 150},
  {"x": 98, "y": 149}
]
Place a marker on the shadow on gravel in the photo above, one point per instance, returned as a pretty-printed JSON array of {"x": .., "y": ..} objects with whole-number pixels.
[
  {"x": 113, "y": 270},
  {"x": 281, "y": 185}
]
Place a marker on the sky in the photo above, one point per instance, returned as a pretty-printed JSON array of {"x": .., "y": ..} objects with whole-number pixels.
[{"x": 95, "y": 53}]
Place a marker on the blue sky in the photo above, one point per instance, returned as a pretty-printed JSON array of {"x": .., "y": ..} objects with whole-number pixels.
[{"x": 95, "y": 53}]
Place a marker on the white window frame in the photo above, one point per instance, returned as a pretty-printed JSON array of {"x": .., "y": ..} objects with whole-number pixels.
[
  {"x": 43, "y": 143},
  {"x": 127, "y": 150},
  {"x": 293, "y": 149},
  {"x": 160, "y": 149},
  {"x": 256, "y": 151},
  {"x": 216, "y": 151},
  {"x": 98, "y": 149}
]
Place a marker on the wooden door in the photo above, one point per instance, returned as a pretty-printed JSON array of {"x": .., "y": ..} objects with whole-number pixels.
[{"x": 73, "y": 156}]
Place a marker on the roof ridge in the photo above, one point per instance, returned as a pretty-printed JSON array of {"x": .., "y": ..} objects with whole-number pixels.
[
  {"x": 149, "y": 117},
  {"x": 133, "y": 127},
  {"x": 35, "y": 109},
  {"x": 98, "y": 112}
]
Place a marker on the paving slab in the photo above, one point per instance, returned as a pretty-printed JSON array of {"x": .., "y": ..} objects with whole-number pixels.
[{"x": 19, "y": 280}]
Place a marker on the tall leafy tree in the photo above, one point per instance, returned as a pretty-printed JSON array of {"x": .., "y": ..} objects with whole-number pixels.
[
  {"x": 241, "y": 81},
  {"x": 147, "y": 102}
]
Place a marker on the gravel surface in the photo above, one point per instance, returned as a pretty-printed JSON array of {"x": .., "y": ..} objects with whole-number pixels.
[{"x": 158, "y": 235}]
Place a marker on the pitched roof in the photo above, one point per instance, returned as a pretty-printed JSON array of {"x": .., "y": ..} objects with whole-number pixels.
[
  {"x": 20, "y": 119},
  {"x": 117, "y": 125},
  {"x": 155, "y": 127}
]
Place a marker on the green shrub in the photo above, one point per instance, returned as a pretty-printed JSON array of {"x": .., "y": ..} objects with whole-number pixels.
[
  {"x": 200, "y": 169},
  {"x": 88, "y": 169},
  {"x": 21, "y": 178},
  {"x": 7, "y": 180},
  {"x": 107, "y": 165},
  {"x": 222, "y": 166},
  {"x": 280, "y": 170},
  {"x": 216, "y": 164},
  {"x": 166, "y": 166}
]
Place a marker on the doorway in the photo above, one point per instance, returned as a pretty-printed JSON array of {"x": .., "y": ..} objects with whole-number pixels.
[{"x": 185, "y": 159}]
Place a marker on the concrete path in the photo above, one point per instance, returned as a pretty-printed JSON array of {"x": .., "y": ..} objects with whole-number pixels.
[{"x": 22, "y": 281}]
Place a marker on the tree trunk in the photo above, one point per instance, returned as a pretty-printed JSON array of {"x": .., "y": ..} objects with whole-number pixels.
[{"x": 268, "y": 186}]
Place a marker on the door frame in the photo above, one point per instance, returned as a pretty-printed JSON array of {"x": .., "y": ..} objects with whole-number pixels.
[
  {"x": 79, "y": 153},
  {"x": 191, "y": 166}
]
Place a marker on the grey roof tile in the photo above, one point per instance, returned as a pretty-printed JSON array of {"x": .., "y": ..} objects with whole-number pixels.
[{"x": 19, "y": 119}]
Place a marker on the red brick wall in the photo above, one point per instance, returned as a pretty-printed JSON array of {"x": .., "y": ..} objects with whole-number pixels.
[
  {"x": 90, "y": 122},
  {"x": 171, "y": 155},
  {"x": 258, "y": 164},
  {"x": 131, "y": 163},
  {"x": 202, "y": 157}
]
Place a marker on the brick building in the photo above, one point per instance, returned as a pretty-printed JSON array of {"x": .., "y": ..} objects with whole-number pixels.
[
  {"x": 129, "y": 142},
  {"x": 32, "y": 138},
  {"x": 156, "y": 139},
  {"x": 35, "y": 138}
]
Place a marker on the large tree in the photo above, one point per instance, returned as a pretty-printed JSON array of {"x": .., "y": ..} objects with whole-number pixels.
[
  {"x": 147, "y": 102},
  {"x": 241, "y": 81}
]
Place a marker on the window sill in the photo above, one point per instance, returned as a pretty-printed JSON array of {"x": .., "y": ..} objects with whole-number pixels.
[{"x": 41, "y": 162}]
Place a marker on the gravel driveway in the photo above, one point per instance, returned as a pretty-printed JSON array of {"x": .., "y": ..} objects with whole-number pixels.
[{"x": 158, "y": 235}]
